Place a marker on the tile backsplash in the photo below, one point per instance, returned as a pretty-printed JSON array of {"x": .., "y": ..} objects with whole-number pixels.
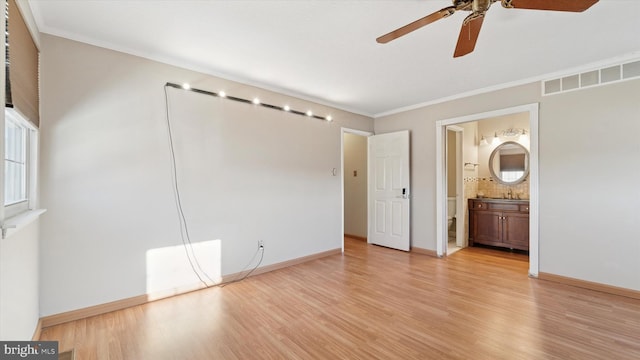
[{"x": 488, "y": 187}]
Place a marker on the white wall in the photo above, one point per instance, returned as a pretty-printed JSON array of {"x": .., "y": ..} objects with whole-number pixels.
[
  {"x": 589, "y": 193},
  {"x": 470, "y": 147},
  {"x": 246, "y": 173},
  {"x": 355, "y": 186},
  {"x": 19, "y": 279},
  {"x": 589, "y": 200},
  {"x": 469, "y": 173}
]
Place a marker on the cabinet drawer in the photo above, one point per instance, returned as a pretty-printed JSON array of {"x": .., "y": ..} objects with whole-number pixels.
[
  {"x": 499, "y": 206},
  {"x": 524, "y": 208},
  {"x": 480, "y": 205}
]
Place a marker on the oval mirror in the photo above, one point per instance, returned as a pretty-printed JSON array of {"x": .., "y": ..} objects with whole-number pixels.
[{"x": 509, "y": 163}]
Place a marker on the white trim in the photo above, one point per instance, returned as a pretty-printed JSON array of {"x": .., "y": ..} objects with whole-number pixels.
[
  {"x": 344, "y": 130},
  {"x": 534, "y": 220},
  {"x": 356, "y": 132},
  {"x": 34, "y": 145},
  {"x": 33, "y": 142},
  {"x": 460, "y": 241},
  {"x": 455, "y": 128},
  {"x": 441, "y": 188},
  {"x": 13, "y": 224},
  {"x": 534, "y": 194}
]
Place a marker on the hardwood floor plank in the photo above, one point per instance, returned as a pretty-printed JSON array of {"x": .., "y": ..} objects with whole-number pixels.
[{"x": 371, "y": 303}]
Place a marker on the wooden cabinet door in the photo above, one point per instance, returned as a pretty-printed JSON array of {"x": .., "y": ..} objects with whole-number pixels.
[
  {"x": 487, "y": 227},
  {"x": 516, "y": 231}
]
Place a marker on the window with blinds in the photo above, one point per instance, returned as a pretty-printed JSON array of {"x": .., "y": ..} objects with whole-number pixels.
[{"x": 21, "y": 113}]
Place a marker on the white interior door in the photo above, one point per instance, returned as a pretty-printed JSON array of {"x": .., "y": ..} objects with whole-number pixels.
[{"x": 389, "y": 190}]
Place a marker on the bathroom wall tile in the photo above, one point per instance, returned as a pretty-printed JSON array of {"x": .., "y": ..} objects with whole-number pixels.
[{"x": 491, "y": 188}]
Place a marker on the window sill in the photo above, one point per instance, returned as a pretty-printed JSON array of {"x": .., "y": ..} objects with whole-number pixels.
[{"x": 15, "y": 223}]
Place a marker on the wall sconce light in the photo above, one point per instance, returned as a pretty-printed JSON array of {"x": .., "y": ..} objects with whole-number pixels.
[{"x": 483, "y": 141}]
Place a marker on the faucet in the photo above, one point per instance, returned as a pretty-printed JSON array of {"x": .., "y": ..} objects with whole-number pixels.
[{"x": 510, "y": 194}]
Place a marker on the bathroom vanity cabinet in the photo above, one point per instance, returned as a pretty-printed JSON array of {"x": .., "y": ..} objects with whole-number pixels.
[{"x": 499, "y": 222}]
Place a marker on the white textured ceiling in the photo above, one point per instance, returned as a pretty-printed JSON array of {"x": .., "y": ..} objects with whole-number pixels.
[{"x": 325, "y": 50}]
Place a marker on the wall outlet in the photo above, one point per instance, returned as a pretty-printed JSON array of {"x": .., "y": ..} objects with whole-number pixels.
[{"x": 261, "y": 243}]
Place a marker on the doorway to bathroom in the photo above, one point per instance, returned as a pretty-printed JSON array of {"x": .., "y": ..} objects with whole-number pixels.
[{"x": 472, "y": 137}]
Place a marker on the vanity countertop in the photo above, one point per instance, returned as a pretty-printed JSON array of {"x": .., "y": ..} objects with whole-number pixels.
[{"x": 501, "y": 200}]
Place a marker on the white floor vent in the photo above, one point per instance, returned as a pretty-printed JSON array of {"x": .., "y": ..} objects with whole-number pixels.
[{"x": 607, "y": 75}]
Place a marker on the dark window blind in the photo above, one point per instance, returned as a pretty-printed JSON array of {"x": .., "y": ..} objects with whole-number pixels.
[
  {"x": 21, "y": 66},
  {"x": 513, "y": 162}
]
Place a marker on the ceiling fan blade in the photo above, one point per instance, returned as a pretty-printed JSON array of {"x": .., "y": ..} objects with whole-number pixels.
[
  {"x": 440, "y": 14},
  {"x": 469, "y": 34},
  {"x": 555, "y": 5}
]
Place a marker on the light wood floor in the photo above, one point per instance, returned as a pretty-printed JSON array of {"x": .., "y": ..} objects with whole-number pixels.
[{"x": 371, "y": 303}]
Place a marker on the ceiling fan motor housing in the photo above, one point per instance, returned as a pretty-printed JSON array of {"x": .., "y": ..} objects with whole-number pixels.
[
  {"x": 480, "y": 6},
  {"x": 457, "y": 3}
]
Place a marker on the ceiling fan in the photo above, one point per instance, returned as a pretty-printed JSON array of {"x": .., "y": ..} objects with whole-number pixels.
[{"x": 472, "y": 23}]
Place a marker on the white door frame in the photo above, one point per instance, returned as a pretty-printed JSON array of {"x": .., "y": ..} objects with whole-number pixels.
[
  {"x": 343, "y": 131},
  {"x": 534, "y": 220},
  {"x": 460, "y": 241}
]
